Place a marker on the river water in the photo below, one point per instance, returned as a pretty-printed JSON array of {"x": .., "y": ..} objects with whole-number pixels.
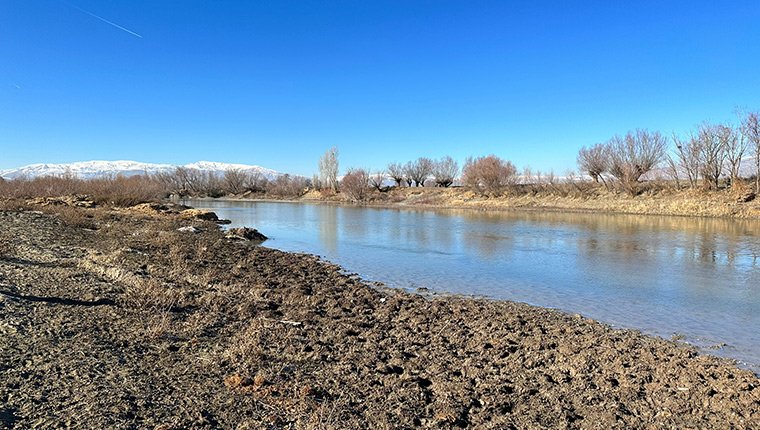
[{"x": 693, "y": 278}]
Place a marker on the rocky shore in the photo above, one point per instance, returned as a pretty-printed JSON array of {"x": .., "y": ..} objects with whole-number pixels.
[{"x": 131, "y": 319}]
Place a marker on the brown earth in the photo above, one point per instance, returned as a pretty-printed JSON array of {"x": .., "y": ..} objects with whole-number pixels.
[{"x": 124, "y": 322}]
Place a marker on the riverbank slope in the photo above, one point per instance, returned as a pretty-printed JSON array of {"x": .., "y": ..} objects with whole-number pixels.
[
  {"x": 700, "y": 203},
  {"x": 114, "y": 318}
]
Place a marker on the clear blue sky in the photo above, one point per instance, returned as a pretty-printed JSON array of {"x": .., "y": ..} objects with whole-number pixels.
[{"x": 276, "y": 83}]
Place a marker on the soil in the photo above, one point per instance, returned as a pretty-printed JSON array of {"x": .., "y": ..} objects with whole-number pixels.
[{"x": 125, "y": 322}]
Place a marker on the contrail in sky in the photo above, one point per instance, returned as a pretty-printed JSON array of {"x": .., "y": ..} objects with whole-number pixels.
[{"x": 102, "y": 19}]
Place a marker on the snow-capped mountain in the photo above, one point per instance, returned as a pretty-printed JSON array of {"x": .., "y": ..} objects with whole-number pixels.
[{"x": 96, "y": 169}]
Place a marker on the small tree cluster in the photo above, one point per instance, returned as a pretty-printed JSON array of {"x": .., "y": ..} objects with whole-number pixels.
[
  {"x": 288, "y": 186},
  {"x": 415, "y": 173},
  {"x": 185, "y": 181},
  {"x": 714, "y": 151},
  {"x": 626, "y": 158}
]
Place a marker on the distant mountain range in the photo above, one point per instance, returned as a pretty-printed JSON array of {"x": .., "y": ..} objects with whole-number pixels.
[{"x": 97, "y": 169}]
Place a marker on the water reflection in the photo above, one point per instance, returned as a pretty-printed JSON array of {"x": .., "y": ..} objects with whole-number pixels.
[
  {"x": 328, "y": 228},
  {"x": 662, "y": 275}
]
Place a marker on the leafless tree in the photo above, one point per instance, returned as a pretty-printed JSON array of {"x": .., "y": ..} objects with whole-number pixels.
[
  {"x": 396, "y": 172},
  {"x": 635, "y": 155},
  {"x": 191, "y": 180},
  {"x": 256, "y": 182},
  {"x": 712, "y": 154},
  {"x": 688, "y": 158},
  {"x": 445, "y": 171},
  {"x": 735, "y": 145},
  {"x": 170, "y": 182},
  {"x": 594, "y": 161},
  {"x": 489, "y": 175},
  {"x": 376, "y": 180},
  {"x": 751, "y": 132},
  {"x": 316, "y": 183},
  {"x": 212, "y": 184},
  {"x": 408, "y": 172},
  {"x": 418, "y": 171},
  {"x": 235, "y": 180},
  {"x": 328, "y": 169},
  {"x": 355, "y": 184},
  {"x": 287, "y": 186}
]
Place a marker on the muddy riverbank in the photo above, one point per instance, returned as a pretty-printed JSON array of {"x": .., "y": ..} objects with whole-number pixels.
[{"x": 115, "y": 319}]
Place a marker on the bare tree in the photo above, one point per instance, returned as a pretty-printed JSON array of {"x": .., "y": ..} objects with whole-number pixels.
[
  {"x": 409, "y": 173},
  {"x": 688, "y": 154},
  {"x": 376, "y": 180},
  {"x": 316, "y": 183},
  {"x": 355, "y": 184},
  {"x": 751, "y": 132},
  {"x": 212, "y": 184},
  {"x": 445, "y": 171},
  {"x": 419, "y": 170},
  {"x": 488, "y": 175},
  {"x": 288, "y": 186},
  {"x": 712, "y": 154},
  {"x": 256, "y": 182},
  {"x": 328, "y": 169},
  {"x": 735, "y": 146},
  {"x": 235, "y": 180},
  {"x": 190, "y": 180},
  {"x": 594, "y": 161},
  {"x": 635, "y": 155},
  {"x": 170, "y": 182},
  {"x": 396, "y": 172}
]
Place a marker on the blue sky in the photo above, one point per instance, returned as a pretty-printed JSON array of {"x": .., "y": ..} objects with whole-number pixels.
[{"x": 276, "y": 83}]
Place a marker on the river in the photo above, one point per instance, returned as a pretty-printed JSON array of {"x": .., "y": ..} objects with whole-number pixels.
[{"x": 694, "y": 279}]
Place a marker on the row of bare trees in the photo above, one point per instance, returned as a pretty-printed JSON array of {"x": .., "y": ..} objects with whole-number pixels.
[
  {"x": 488, "y": 175},
  {"x": 443, "y": 172},
  {"x": 193, "y": 182},
  {"x": 713, "y": 151},
  {"x": 708, "y": 154}
]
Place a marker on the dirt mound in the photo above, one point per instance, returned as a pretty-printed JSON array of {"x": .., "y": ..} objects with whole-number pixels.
[{"x": 137, "y": 325}]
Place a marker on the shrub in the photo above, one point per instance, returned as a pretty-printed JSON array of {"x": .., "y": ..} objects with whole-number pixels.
[
  {"x": 355, "y": 184},
  {"x": 489, "y": 175},
  {"x": 116, "y": 191},
  {"x": 287, "y": 186}
]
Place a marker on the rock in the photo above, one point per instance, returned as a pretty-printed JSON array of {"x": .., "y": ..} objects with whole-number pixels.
[
  {"x": 245, "y": 233},
  {"x": 189, "y": 229},
  {"x": 748, "y": 197},
  {"x": 80, "y": 201},
  {"x": 152, "y": 208},
  {"x": 202, "y": 215}
]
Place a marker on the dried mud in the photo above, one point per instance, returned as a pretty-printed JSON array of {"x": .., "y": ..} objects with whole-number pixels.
[{"x": 133, "y": 324}]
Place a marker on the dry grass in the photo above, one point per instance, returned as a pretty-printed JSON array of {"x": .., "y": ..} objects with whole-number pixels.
[
  {"x": 652, "y": 199},
  {"x": 74, "y": 217}
]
